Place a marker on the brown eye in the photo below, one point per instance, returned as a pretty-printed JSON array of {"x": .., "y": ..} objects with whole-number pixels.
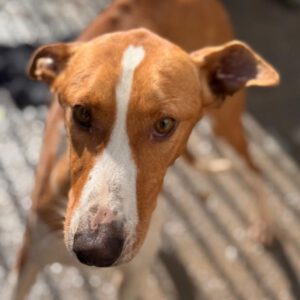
[
  {"x": 82, "y": 116},
  {"x": 164, "y": 127}
]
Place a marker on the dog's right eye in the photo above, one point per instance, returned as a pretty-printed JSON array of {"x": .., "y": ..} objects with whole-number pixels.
[{"x": 82, "y": 116}]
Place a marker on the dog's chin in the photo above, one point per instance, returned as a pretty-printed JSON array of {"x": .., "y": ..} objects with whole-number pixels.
[
  {"x": 124, "y": 259},
  {"x": 129, "y": 252}
]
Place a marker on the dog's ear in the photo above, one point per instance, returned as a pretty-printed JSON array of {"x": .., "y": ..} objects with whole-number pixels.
[
  {"x": 231, "y": 67},
  {"x": 48, "y": 61}
]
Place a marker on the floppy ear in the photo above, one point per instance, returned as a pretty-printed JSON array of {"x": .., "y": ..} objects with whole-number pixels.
[
  {"x": 48, "y": 61},
  {"x": 231, "y": 67}
]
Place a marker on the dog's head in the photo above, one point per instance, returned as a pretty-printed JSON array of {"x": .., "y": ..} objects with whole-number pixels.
[{"x": 131, "y": 100}]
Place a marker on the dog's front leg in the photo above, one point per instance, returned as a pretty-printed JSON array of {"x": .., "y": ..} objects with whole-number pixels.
[
  {"x": 137, "y": 271},
  {"x": 23, "y": 275}
]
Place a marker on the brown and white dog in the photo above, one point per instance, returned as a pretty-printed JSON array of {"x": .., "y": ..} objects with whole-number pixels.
[{"x": 129, "y": 101}]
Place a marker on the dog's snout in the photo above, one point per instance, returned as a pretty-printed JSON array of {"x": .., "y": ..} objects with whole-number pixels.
[
  {"x": 101, "y": 247},
  {"x": 102, "y": 216}
]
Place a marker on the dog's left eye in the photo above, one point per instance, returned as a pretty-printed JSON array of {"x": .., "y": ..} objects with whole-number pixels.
[
  {"x": 82, "y": 116},
  {"x": 164, "y": 127}
]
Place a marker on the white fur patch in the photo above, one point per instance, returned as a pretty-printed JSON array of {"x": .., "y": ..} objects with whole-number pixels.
[{"x": 112, "y": 180}]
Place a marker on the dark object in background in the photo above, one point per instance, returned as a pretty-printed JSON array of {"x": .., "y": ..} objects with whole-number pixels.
[
  {"x": 272, "y": 28},
  {"x": 292, "y": 3},
  {"x": 13, "y": 77}
]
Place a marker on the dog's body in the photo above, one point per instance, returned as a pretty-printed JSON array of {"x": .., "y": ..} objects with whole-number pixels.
[{"x": 192, "y": 24}]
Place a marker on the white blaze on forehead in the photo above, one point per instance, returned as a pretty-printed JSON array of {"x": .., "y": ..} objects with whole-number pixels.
[{"x": 112, "y": 180}]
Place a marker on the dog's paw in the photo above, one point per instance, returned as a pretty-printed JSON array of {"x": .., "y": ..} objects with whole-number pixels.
[
  {"x": 10, "y": 286},
  {"x": 216, "y": 165},
  {"x": 262, "y": 233}
]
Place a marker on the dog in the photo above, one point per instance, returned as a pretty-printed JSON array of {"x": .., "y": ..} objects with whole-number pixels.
[{"x": 126, "y": 99}]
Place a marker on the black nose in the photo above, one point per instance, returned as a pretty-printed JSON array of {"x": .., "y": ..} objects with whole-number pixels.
[{"x": 100, "y": 247}]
